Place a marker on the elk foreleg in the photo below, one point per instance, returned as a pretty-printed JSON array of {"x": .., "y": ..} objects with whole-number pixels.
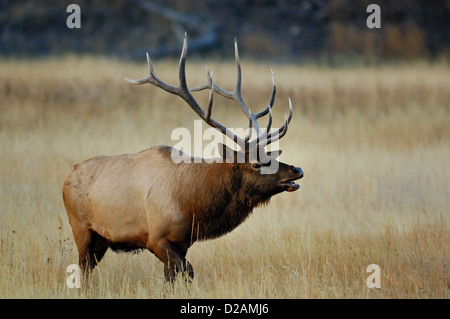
[{"x": 173, "y": 257}]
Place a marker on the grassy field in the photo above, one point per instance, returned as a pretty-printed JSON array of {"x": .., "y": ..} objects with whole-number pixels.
[{"x": 374, "y": 144}]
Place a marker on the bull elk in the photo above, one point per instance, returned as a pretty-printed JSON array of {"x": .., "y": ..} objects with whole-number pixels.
[{"x": 147, "y": 201}]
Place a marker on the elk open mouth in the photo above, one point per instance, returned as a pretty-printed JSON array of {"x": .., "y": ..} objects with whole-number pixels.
[{"x": 289, "y": 185}]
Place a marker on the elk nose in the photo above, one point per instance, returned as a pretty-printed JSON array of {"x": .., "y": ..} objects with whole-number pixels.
[{"x": 297, "y": 170}]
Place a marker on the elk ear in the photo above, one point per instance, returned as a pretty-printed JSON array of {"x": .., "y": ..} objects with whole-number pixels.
[{"x": 227, "y": 154}]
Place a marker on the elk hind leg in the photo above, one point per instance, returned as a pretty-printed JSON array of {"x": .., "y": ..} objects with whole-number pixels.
[
  {"x": 97, "y": 249},
  {"x": 91, "y": 247}
]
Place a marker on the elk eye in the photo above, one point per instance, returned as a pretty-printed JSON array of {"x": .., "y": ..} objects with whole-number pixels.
[{"x": 256, "y": 165}]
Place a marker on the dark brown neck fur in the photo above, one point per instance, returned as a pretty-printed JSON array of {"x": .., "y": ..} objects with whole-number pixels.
[{"x": 215, "y": 197}]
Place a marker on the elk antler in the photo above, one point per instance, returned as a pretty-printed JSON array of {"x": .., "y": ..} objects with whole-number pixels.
[{"x": 262, "y": 139}]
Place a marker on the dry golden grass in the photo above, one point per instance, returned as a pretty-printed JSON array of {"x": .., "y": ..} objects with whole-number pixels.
[{"x": 373, "y": 143}]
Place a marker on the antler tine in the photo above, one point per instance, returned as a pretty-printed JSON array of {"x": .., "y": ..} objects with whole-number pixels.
[
  {"x": 153, "y": 79},
  {"x": 237, "y": 90},
  {"x": 280, "y": 132},
  {"x": 211, "y": 95},
  {"x": 143, "y": 80},
  {"x": 182, "y": 65},
  {"x": 269, "y": 123},
  {"x": 272, "y": 99}
]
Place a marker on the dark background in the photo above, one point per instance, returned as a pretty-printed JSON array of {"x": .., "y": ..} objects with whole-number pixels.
[{"x": 329, "y": 31}]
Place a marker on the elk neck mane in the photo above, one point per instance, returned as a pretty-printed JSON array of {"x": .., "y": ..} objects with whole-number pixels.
[{"x": 217, "y": 197}]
